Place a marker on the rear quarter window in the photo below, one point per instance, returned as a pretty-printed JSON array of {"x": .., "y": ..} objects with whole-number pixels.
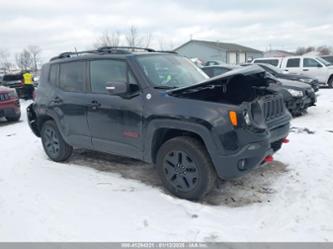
[
  {"x": 53, "y": 74},
  {"x": 72, "y": 76}
]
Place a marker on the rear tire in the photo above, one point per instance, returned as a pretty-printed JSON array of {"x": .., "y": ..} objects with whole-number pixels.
[
  {"x": 54, "y": 145},
  {"x": 185, "y": 168}
]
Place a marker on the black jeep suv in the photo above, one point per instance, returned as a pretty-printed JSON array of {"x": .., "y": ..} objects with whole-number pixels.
[{"x": 160, "y": 108}]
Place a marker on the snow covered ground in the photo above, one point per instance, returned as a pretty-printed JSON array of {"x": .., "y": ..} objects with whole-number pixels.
[{"x": 98, "y": 197}]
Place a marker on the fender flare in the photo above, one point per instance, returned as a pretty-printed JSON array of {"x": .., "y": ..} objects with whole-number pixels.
[{"x": 202, "y": 130}]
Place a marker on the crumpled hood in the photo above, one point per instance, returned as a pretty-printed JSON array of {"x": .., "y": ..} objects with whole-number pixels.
[{"x": 257, "y": 73}]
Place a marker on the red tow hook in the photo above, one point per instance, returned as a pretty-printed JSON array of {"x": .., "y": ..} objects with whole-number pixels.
[
  {"x": 268, "y": 159},
  {"x": 285, "y": 140}
]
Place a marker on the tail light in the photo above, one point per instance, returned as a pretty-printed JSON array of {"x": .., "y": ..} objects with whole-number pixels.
[{"x": 13, "y": 94}]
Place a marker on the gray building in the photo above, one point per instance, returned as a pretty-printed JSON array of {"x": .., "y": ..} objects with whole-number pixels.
[
  {"x": 229, "y": 53},
  {"x": 278, "y": 53}
]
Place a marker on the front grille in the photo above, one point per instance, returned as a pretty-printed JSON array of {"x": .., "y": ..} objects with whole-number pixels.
[
  {"x": 4, "y": 96},
  {"x": 273, "y": 106}
]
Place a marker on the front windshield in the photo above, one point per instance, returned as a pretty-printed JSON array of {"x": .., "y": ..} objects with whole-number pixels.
[
  {"x": 325, "y": 62},
  {"x": 170, "y": 70}
]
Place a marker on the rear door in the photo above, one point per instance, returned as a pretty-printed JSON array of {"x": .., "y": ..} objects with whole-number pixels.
[
  {"x": 115, "y": 122},
  {"x": 293, "y": 65},
  {"x": 70, "y": 102}
]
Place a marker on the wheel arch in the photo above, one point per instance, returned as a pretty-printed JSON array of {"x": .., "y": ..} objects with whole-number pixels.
[
  {"x": 49, "y": 115},
  {"x": 161, "y": 131},
  {"x": 330, "y": 79}
]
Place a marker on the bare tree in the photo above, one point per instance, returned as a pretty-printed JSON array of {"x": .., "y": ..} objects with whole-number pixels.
[
  {"x": 324, "y": 50},
  {"x": 35, "y": 53},
  {"x": 304, "y": 50},
  {"x": 135, "y": 39},
  {"x": 147, "y": 40},
  {"x": 108, "y": 40},
  {"x": 5, "y": 64},
  {"x": 24, "y": 60},
  {"x": 309, "y": 49},
  {"x": 300, "y": 51}
]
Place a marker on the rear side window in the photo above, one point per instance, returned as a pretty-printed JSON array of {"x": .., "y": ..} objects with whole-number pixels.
[
  {"x": 273, "y": 62},
  {"x": 72, "y": 76},
  {"x": 308, "y": 62},
  {"x": 53, "y": 75},
  {"x": 293, "y": 62},
  {"x": 103, "y": 72}
]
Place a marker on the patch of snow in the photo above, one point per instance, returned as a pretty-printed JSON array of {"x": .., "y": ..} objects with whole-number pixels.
[{"x": 99, "y": 197}]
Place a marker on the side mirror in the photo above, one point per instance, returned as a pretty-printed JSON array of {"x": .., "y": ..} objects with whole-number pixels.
[
  {"x": 117, "y": 88},
  {"x": 319, "y": 65}
]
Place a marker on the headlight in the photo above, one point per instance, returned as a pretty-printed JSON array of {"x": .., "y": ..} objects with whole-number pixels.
[
  {"x": 12, "y": 94},
  {"x": 246, "y": 117},
  {"x": 306, "y": 80},
  {"x": 295, "y": 93}
]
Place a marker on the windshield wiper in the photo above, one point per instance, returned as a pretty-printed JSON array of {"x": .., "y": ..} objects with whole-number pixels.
[{"x": 165, "y": 87}]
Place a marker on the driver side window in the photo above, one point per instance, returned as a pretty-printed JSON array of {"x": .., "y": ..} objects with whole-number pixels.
[
  {"x": 103, "y": 72},
  {"x": 308, "y": 62}
]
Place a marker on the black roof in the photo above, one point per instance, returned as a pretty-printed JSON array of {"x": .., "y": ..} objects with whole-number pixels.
[{"x": 107, "y": 51}]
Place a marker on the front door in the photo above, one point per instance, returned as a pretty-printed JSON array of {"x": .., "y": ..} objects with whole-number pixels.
[
  {"x": 312, "y": 68},
  {"x": 115, "y": 122}
]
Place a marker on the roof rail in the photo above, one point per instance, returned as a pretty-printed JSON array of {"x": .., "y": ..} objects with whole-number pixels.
[
  {"x": 167, "y": 51},
  {"x": 107, "y": 49},
  {"x": 70, "y": 54},
  {"x": 122, "y": 48}
]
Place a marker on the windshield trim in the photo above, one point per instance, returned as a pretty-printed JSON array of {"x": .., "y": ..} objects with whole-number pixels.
[{"x": 323, "y": 61}]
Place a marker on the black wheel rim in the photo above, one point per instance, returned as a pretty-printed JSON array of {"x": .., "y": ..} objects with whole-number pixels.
[
  {"x": 51, "y": 141},
  {"x": 180, "y": 171}
]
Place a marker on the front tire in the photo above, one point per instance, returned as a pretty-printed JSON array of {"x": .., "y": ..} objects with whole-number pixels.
[
  {"x": 185, "y": 168},
  {"x": 54, "y": 145},
  {"x": 330, "y": 82}
]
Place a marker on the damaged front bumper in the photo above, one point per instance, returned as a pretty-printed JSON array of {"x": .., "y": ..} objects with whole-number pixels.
[
  {"x": 251, "y": 155},
  {"x": 297, "y": 105}
]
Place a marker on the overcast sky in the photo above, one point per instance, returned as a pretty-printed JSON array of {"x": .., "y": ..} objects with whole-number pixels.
[{"x": 62, "y": 25}]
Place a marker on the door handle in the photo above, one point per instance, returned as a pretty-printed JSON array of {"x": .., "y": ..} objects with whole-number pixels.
[
  {"x": 305, "y": 69},
  {"x": 286, "y": 70},
  {"x": 94, "y": 104},
  {"x": 57, "y": 100}
]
